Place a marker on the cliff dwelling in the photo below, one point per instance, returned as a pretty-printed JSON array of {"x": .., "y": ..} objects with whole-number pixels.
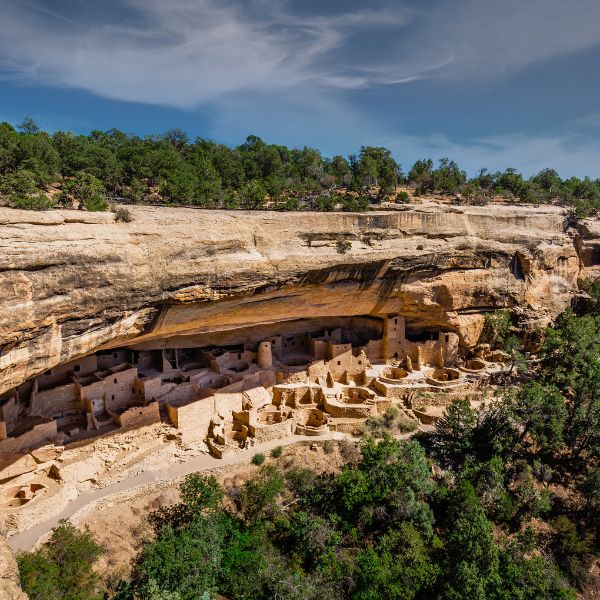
[{"x": 306, "y": 379}]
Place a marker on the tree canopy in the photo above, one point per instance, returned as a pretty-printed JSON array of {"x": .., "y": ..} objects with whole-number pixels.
[{"x": 174, "y": 170}]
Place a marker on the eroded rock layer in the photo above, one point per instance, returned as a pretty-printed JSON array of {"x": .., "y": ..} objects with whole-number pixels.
[{"x": 73, "y": 282}]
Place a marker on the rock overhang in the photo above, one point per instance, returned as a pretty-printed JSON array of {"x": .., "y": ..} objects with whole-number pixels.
[{"x": 73, "y": 283}]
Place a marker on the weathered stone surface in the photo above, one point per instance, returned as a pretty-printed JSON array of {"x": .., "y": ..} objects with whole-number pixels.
[
  {"x": 73, "y": 282},
  {"x": 10, "y": 588},
  {"x": 12, "y": 465}
]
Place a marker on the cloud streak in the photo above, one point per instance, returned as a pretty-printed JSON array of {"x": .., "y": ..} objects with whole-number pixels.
[
  {"x": 569, "y": 154},
  {"x": 182, "y": 53},
  {"x": 185, "y": 53}
]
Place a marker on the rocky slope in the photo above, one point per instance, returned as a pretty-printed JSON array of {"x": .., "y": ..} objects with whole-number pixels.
[{"x": 72, "y": 282}]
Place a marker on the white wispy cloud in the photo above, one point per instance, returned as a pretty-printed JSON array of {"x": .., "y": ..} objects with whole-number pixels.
[
  {"x": 187, "y": 52},
  {"x": 569, "y": 154},
  {"x": 181, "y": 53}
]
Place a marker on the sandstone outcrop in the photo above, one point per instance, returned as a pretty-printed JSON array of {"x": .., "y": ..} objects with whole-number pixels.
[
  {"x": 10, "y": 588},
  {"x": 73, "y": 282}
]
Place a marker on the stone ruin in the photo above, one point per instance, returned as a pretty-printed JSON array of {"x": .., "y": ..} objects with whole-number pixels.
[
  {"x": 229, "y": 397},
  {"x": 231, "y": 393}
]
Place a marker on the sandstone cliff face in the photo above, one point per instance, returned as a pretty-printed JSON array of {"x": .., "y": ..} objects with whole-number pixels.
[{"x": 73, "y": 282}]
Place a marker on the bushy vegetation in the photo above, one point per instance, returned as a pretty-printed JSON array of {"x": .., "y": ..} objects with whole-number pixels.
[
  {"x": 277, "y": 452},
  {"x": 258, "y": 459},
  {"x": 39, "y": 170},
  {"x": 391, "y": 422},
  {"x": 62, "y": 569},
  {"x": 383, "y": 528}
]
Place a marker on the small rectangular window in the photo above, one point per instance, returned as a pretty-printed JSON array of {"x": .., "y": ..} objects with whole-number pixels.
[
  {"x": 76, "y": 368},
  {"x": 115, "y": 380},
  {"x": 48, "y": 373},
  {"x": 115, "y": 355}
]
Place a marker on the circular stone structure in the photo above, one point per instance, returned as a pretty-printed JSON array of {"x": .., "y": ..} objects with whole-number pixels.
[
  {"x": 394, "y": 374},
  {"x": 474, "y": 366},
  {"x": 442, "y": 377}
]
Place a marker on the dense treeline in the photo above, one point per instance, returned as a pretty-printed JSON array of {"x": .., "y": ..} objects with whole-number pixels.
[
  {"x": 39, "y": 170},
  {"x": 500, "y": 502}
]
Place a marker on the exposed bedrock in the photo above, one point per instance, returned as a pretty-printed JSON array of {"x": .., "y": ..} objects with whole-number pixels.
[{"x": 73, "y": 282}]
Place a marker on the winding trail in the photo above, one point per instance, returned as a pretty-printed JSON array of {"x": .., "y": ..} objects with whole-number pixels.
[{"x": 27, "y": 539}]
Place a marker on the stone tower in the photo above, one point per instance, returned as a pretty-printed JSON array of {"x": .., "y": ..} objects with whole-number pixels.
[{"x": 264, "y": 356}]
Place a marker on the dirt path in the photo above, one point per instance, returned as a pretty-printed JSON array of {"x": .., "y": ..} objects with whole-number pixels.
[{"x": 26, "y": 540}]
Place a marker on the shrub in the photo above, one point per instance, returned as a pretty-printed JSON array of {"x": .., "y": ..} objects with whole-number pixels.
[
  {"x": 276, "y": 452},
  {"x": 35, "y": 202},
  {"x": 258, "y": 459},
  {"x": 392, "y": 421},
  {"x": 403, "y": 197},
  {"x": 95, "y": 204},
  {"x": 123, "y": 215},
  {"x": 573, "y": 550},
  {"x": 343, "y": 246},
  {"x": 328, "y": 446},
  {"x": 258, "y": 497},
  {"x": 88, "y": 190},
  {"x": 496, "y": 327},
  {"x": 63, "y": 567}
]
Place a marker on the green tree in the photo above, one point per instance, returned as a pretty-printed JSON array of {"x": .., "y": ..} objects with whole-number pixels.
[
  {"x": 186, "y": 560},
  {"x": 541, "y": 411},
  {"x": 9, "y": 148},
  {"x": 86, "y": 189},
  {"x": 453, "y": 437},
  {"x": 259, "y": 494},
  {"x": 339, "y": 167},
  {"x": 573, "y": 550},
  {"x": 571, "y": 361},
  {"x": 421, "y": 175},
  {"x": 472, "y": 554},
  {"x": 252, "y": 195},
  {"x": 399, "y": 568},
  {"x": 448, "y": 178},
  {"x": 28, "y": 126},
  {"x": 496, "y": 328},
  {"x": 63, "y": 568},
  {"x": 524, "y": 577}
]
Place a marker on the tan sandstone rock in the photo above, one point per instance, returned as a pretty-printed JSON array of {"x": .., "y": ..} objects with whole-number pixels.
[
  {"x": 10, "y": 588},
  {"x": 73, "y": 282}
]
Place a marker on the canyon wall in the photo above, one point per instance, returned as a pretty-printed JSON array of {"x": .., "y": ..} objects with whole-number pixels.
[{"x": 73, "y": 282}]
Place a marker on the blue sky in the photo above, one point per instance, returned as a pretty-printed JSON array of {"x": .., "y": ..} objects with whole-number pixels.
[{"x": 496, "y": 84}]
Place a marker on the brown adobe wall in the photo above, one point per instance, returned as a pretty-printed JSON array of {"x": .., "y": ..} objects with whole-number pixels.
[
  {"x": 60, "y": 399},
  {"x": 37, "y": 436},
  {"x": 139, "y": 416}
]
